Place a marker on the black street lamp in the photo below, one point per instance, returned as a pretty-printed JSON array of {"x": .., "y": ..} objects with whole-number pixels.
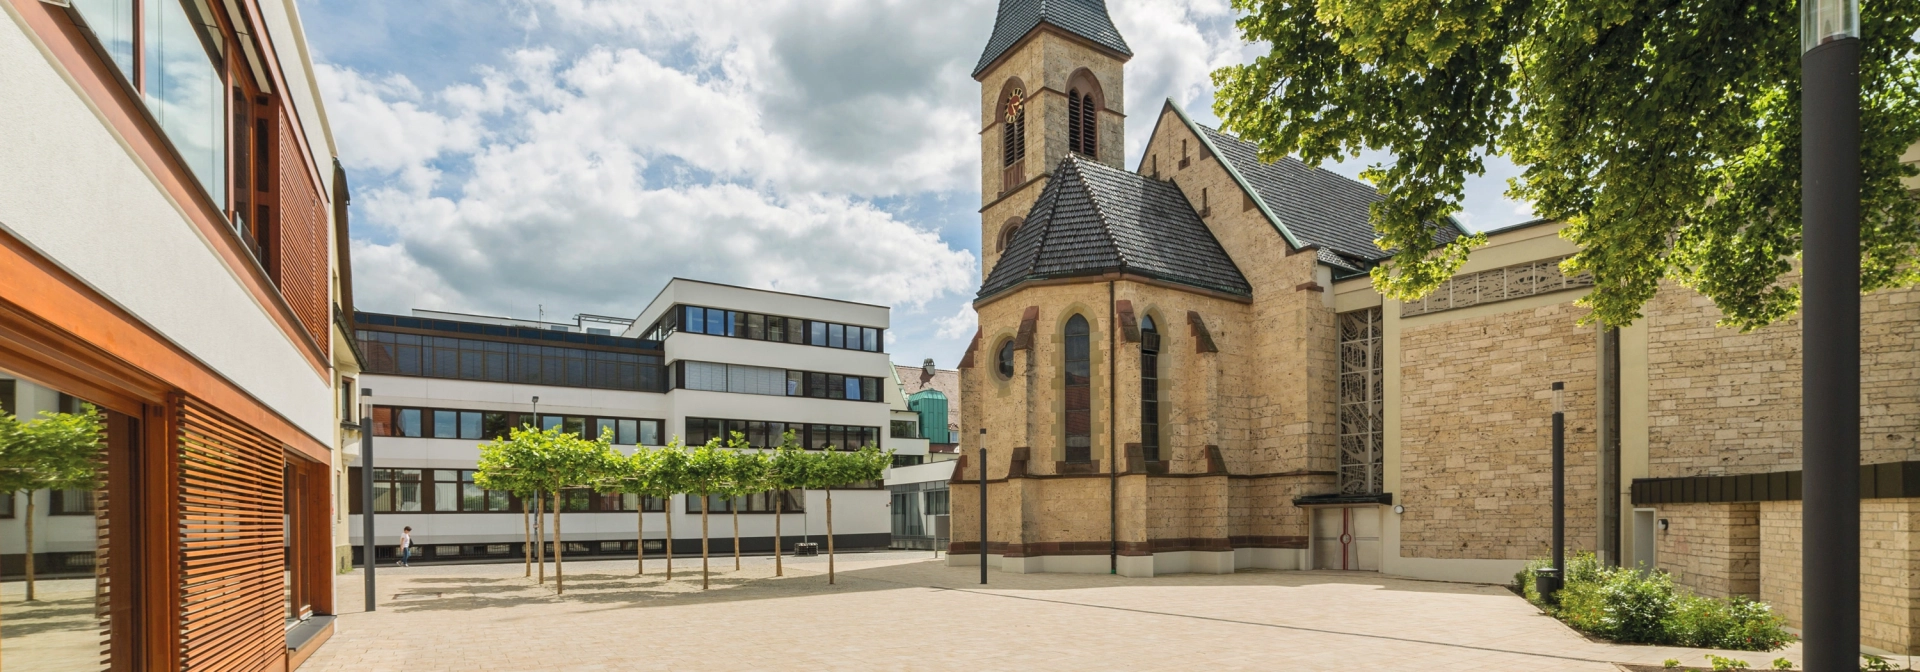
[
  {"x": 983, "y": 506},
  {"x": 1830, "y": 332},
  {"x": 1548, "y": 582},
  {"x": 367, "y": 544}
]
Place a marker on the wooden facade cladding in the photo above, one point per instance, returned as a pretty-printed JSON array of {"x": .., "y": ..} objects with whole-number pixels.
[
  {"x": 299, "y": 265},
  {"x": 231, "y": 581}
]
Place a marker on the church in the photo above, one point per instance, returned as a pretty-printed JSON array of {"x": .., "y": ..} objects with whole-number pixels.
[{"x": 1182, "y": 366}]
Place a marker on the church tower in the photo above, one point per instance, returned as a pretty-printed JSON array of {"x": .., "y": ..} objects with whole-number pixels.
[{"x": 1050, "y": 85}]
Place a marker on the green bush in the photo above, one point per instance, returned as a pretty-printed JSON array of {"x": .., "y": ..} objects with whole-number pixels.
[{"x": 1629, "y": 606}]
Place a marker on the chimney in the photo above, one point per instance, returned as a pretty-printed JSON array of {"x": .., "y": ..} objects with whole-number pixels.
[{"x": 928, "y": 367}]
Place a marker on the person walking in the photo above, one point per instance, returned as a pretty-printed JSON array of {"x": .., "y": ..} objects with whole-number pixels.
[{"x": 406, "y": 546}]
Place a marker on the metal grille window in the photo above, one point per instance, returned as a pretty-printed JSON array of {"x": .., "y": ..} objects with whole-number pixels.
[
  {"x": 1149, "y": 390},
  {"x": 1361, "y": 409},
  {"x": 1079, "y": 398}
]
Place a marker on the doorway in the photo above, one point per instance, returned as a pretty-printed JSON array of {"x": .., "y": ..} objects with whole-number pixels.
[
  {"x": 1347, "y": 538},
  {"x": 1643, "y": 530}
]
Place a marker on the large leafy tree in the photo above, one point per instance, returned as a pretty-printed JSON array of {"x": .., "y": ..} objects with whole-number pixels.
[{"x": 1665, "y": 133}]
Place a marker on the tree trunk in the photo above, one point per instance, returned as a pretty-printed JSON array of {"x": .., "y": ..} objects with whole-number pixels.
[
  {"x": 526, "y": 526},
  {"x": 640, "y": 538},
  {"x": 539, "y": 542},
  {"x": 736, "y": 537},
  {"x": 777, "y": 499},
  {"x": 30, "y": 562},
  {"x": 559, "y": 551},
  {"x": 669, "y": 508},
  {"x": 829, "y": 536},
  {"x": 703, "y": 542}
]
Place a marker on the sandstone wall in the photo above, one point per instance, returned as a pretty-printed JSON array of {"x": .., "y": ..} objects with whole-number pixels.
[
  {"x": 1476, "y": 432},
  {"x": 1713, "y": 549},
  {"x": 1889, "y": 567}
]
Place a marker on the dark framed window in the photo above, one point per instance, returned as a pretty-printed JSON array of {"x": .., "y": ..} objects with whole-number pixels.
[
  {"x": 905, "y": 429},
  {"x": 409, "y": 422},
  {"x": 455, "y": 491},
  {"x": 1149, "y": 390},
  {"x": 470, "y": 359},
  {"x": 446, "y": 424},
  {"x": 397, "y": 490},
  {"x": 6, "y": 505},
  {"x": 1003, "y": 360},
  {"x": 818, "y": 335},
  {"x": 793, "y": 501},
  {"x": 1013, "y": 131},
  {"x": 937, "y": 503},
  {"x": 70, "y": 503},
  {"x": 1076, "y": 381}
]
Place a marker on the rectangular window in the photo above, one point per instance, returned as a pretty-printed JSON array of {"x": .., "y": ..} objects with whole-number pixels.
[
  {"x": 836, "y": 336},
  {"x": 410, "y": 422},
  {"x": 818, "y": 335},
  {"x": 383, "y": 420},
  {"x": 937, "y": 502},
  {"x": 870, "y": 339},
  {"x": 70, "y": 502},
  {"x": 470, "y": 424},
  {"x": 873, "y": 389},
  {"x": 628, "y": 433},
  {"x": 817, "y": 385},
  {"x": 446, "y": 424},
  {"x": 796, "y": 330},
  {"x": 185, "y": 90},
  {"x": 757, "y": 327},
  {"x": 905, "y": 429},
  {"x": 696, "y": 320},
  {"x": 446, "y": 489},
  {"x": 650, "y": 433},
  {"x": 6, "y": 504},
  {"x": 396, "y": 490},
  {"x": 494, "y": 425},
  {"x": 717, "y": 322},
  {"x": 853, "y": 388},
  {"x": 606, "y": 427},
  {"x": 796, "y": 380},
  {"x": 736, "y": 324},
  {"x": 776, "y": 328},
  {"x": 836, "y": 386}
]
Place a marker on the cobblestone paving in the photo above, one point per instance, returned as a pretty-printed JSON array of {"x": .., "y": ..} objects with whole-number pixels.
[{"x": 902, "y": 610}]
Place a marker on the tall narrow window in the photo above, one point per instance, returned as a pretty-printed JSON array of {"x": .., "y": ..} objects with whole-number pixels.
[
  {"x": 1073, "y": 121},
  {"x": 1013, "y": 130},
  {"x": 1089, "y": 127},
  {"x": 1079, "y": 397},
  {"x": 1361, "y": 410},
  {"x": 1149, "y": 390}
]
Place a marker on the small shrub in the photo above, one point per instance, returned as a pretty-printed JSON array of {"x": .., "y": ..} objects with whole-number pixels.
[
  {"x": 1876, "y": 663},
  {"x": 1621, "y": 605},
  {"x": 1739, "y": 623},
  {"x": 1725, "y": 664},
  {"x": 1629, "y": 606},
  {"x": 1670, "y": 663},
  {"x": 1782, "y": 664}
]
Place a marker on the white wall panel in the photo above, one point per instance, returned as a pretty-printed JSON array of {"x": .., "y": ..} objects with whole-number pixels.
[{"x": 70, "y": 189}]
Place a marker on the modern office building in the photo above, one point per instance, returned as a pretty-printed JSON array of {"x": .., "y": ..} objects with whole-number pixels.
[
  {"x": 702, "y": 360},
  {"x": 168, "y": 204}
]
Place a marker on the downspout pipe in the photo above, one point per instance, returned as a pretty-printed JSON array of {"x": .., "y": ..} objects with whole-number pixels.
[{"x": 1113, "y": 439}]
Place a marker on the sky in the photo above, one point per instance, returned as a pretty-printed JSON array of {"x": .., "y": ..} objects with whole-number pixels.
[{"x": 556, "y": 157}]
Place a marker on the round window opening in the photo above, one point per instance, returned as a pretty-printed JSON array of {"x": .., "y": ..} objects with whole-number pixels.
[{"x": 1005, "y": 359}]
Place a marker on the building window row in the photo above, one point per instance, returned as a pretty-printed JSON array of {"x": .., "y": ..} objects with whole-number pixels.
[
  {"x": 767, "y": 434},
  {"x": 454, "y": 491},
  {"x": 755, "y": 326},
  {"x": 790, "y": 501},
  {"x": 470, "y": 359},
  {"x": 713, "y": 377},
  {"x": 442, "y": 423}
]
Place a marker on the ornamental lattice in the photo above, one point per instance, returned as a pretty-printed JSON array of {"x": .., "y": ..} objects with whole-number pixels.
[
  {"x": 1362, "y": 414},
  {"x": 1500, "y": 284}
]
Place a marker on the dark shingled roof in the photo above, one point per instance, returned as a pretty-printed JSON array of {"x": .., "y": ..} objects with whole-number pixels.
[
  {"x": 1086, "y": 18},
  {"x": 1093, "y": 219}
]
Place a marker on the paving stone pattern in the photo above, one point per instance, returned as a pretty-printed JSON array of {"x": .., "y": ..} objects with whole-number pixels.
[{"x": 904, "y": 611}]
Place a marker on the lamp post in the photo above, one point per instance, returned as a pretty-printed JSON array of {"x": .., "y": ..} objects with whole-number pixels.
[
  {"x": 367, "y": 544},
  {"x": 983, "y": 506},
  {"x": 1548, "y": 582},
  {"x": 1830, "y": 332},
  {"x": 536, "y": 412}
]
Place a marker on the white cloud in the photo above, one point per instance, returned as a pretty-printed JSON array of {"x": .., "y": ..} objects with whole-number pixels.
[{"x": 960, "y": 324}]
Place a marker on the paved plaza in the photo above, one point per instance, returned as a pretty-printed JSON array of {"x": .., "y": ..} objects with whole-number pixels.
[{"x": 903, "y": 610}]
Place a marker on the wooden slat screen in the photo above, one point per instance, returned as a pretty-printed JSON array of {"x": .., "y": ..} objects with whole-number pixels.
[
  {"x": 232, "y": 538},
  {"x": 301, "y": 255}
]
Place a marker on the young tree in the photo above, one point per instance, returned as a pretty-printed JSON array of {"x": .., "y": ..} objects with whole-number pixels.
[
  {"x": 670, "y": 478},
  {"x": 707, "y": 468},
  {"x": 837, "y": 468},
  {"x": 56, "y": 451},
  {"x": 1664, "y": 133},
  {"x": 571, "y": 463},
  {"x": 787, "y": 469},
  {"x": 747, "y": 476},
  {"x": 634, "y": 475},
  {"x": 504, "y": 465}
]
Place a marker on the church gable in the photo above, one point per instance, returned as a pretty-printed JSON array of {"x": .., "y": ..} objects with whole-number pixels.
[{"x": 1093, "y": 219}]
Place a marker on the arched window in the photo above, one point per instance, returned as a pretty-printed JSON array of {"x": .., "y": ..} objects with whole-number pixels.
[
  {"x": 1013, "y": 129},
  {"x": 1079, "y": 394},
  {"x": 1149, "y": 390},
  {"x": 1082, "y": 124},
  {"x": 1007, "y": 232},
  {"x": 1003, "y": 360}
]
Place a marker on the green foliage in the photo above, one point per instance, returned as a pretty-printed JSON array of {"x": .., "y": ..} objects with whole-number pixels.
[
  {"x": 708, "y": 469},
  {"x": 1725, "y": 664},
  {"x": 748, "y": 470},
  {"x": 840, "y": 468},
  {"x": 1666, "y": 134},
  {"x": 52, "y": 451},
  {"x": 1626, "y": 605},
  {"x": 789, "y": 466},
  {"x": 532, "y": 460},
  {"x": 1782, "y": 664},
  {"x": 1875, "y": 663},
  {"x": 1670, "y": 663}
]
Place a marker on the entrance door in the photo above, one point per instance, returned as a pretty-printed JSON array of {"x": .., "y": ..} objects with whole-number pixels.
[{"x": 1347, "y": 538}]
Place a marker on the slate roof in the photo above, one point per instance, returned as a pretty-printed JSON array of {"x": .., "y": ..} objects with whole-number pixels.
[
  {"x": 1093, "y": 219},
  {"x": 1086, "y": 18}
]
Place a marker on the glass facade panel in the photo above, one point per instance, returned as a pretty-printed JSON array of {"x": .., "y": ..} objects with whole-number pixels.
[
  {"x": 446, "y": 424},
  {"x": 184, "y": 89},
  {"x": 410, "y": 422}
]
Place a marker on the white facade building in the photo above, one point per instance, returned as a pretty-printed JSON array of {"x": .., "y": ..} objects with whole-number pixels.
[{"x": 701, "y": 360}]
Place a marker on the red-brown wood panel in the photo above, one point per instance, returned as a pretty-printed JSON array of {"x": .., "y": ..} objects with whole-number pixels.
[
  {"x": 301, "y": 252},
  {"x": 232, "y": 534}
]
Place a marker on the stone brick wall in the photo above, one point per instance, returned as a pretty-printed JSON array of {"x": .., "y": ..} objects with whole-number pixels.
[
  {"x": 1713, "y": 549},
  {"x": 1725, "y": 402},
  {"x": 1889, "y": 567},
  {"x": 1476, "y": 450}
]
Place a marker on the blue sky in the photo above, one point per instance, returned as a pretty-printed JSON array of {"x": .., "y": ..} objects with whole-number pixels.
[{"x": 509, "y": 156}]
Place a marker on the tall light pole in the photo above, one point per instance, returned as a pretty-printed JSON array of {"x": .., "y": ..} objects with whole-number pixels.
[
  {"x": 366, "y": 491},
  {"x": 1830, "y": 332}
]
